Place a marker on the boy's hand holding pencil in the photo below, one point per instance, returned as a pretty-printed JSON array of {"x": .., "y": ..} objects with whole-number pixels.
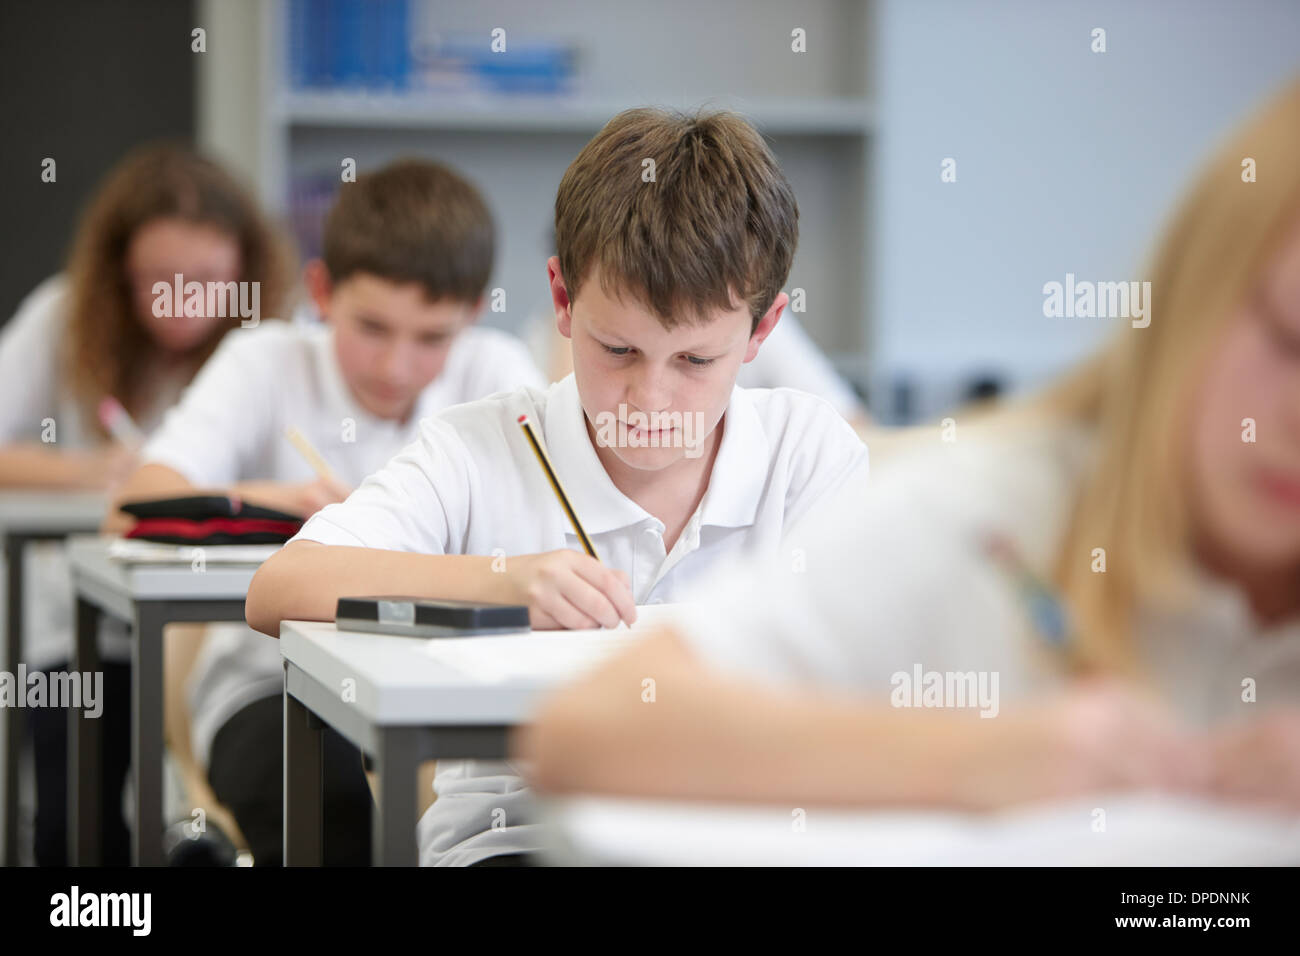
[
  {"x": 310, "y": 497},
  {"x": 565, "y": 589},
  {"x": 568, "y": 589},
  {"x": 114, "y": 464}
]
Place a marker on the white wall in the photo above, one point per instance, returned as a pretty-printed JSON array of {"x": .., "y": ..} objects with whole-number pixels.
[
  {"x": 1067, "y": 160},
  {"x": 228, "y": 85}
]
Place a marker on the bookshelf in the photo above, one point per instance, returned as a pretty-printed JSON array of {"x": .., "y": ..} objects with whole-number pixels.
[{"x": 815, "y": 108}]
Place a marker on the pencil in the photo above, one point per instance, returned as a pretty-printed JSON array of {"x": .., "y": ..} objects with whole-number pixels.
[
  {"x": 309, "y": 452},
  {"x": 1044, "y": 606},
  {"x": 116, "y": 419},
  {"x": 555, "y": 485}
]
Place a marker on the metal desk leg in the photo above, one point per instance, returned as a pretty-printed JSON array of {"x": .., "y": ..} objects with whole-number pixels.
[
  {"x": 393, "y": 827},
  {"x": 85, "y": 750},
  {"x": 13, "y": 716},
  {"x": 147, "y": 732},
  {"x": 304, "y": 792}
]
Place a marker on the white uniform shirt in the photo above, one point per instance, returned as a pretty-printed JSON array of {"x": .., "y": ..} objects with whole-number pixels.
[
  {"x": 471, "y": 485},
  {"x": 32, "y": 389},
  {"x": 230, "y": 426},
  {"x": 896, "y": 577}
]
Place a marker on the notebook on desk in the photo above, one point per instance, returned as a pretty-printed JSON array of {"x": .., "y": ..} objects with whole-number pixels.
[
  {"x": 546, "y": 655},
  {"x": 139, "y": 551}
]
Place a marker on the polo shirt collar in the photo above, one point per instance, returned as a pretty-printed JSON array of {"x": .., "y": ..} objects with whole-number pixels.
[
  {"x": 735, "y": 485},
  {"x": 741, "y": 467}
]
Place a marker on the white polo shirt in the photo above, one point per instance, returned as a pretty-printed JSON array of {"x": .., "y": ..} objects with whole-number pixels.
[
  {"x": 471, "y": 485},
  {"x": 230, "y": 426},
  {"x": 896, "y": 578}
]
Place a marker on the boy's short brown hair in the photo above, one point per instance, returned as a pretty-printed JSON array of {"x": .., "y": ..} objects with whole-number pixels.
[
  {"x": 718, "y": 218},
  {"x": 413, "y": 221}
]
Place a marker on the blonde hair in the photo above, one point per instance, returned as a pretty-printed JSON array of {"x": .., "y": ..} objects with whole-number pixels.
[{"x": 1134, "y": 395}]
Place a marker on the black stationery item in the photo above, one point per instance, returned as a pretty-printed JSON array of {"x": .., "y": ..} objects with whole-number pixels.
[
  {"x": 423, "y": 617},
  {"x": 209, "y": 520}
]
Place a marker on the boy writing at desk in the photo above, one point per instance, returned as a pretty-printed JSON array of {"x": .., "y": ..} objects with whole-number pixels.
[{"x": 665, "y": 286}]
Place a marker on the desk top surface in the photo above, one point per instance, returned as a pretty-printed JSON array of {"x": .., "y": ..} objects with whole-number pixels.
[
  {"x": 96, "y": 572},
  {"x": 51, "y": 512},
  {"x": 451, "y": 680}
]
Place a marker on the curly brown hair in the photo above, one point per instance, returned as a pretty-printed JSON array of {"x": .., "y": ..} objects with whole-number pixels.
[{"x": 107, "y": 347}]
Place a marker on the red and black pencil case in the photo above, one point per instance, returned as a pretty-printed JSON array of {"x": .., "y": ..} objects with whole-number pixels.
[{"x": 209, "y": 519}]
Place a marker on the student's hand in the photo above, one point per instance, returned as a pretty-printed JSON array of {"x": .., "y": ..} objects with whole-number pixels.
[
  {"x": 1096, "y": 737},
  {"x": 1113, "y": 737},
  {"x": 107, "y": 467},
  {"x": 569, "y": 589},
  {"x": 309, "y": 497},
  {"x": 1258, "y": 761}
]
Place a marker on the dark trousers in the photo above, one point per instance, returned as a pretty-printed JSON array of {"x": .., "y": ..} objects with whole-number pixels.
[
  {"x": 246, "y": 771},
  {"x": 49, "y": 729}
]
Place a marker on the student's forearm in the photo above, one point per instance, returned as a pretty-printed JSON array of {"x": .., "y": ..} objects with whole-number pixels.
[
  {"x": 706, "y": 737},
  {"x": 305, "y": 579},
  {"x": 45, "y": 466},
  {"x": 280, "y": 495}
]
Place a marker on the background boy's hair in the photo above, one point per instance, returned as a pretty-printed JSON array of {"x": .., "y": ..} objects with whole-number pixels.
[
  {"x": 413, "y": 221},
  {"x": 719, "y": 218}
]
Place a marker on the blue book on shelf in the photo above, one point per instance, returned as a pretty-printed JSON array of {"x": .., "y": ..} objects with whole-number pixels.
[
  {"x": 350, "y": 44},
  {"x": 349, "y": 70},
  {"x": 299, "y": 68}
]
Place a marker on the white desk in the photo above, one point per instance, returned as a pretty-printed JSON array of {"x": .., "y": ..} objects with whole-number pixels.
[
  {"x": 148, "y": 597},
  {"x": 1141, "y": 830},
  {"x": 27, "y": 516},
  {"x": 411, "y": 700}
]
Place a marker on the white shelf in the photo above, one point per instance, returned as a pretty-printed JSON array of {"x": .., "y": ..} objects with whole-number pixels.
[{"x": 546, "y": 114}]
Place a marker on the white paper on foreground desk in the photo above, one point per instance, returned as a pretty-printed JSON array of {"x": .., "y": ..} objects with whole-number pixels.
[
  {"x": 139, "y": 551},
  {"x": 1141, "y": 830},
  {"x": 547, "y": 656}
]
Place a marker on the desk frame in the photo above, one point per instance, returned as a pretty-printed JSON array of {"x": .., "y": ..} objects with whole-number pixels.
[
  {"x": 147, "y": 617},
  {"x": 397, "y": 749},
  {"x": 15, "y": 552}
]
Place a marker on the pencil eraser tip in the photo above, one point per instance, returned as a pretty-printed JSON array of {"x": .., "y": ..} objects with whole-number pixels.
[
  {"x": 522, "y": 419},
  {"x": 109, "y": 410}
]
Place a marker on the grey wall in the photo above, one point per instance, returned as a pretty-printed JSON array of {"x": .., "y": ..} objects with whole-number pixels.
[
  {"x": 1067, "y": 160},
  {"x": 81, "y": 81}
]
